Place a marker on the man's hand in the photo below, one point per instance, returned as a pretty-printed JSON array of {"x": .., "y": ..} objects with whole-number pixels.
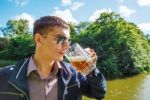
[{"x": 92, "y": 53}]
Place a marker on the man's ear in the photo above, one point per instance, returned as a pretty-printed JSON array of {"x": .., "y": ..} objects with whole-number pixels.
[{"x": 38, "y": 39}]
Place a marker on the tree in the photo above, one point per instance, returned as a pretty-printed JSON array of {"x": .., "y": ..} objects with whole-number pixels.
[
  {"x": 3, "y": 43},
  {"x": 18, "y": 47},
  {"x": 3, "y": 30},
  {"x": 121, "y": 46},
  {"x": 15, "y": 27},
  {"x": 17, "y": 41}
]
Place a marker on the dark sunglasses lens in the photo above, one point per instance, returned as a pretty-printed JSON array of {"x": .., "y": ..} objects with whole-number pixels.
[{"x": 61, "y": 39}]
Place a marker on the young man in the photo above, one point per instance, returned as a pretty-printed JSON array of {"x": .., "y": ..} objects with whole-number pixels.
[{"x": 44, "y": 75}]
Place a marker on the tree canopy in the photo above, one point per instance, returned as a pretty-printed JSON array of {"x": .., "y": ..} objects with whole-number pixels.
[{"x": 121, "y": 46}]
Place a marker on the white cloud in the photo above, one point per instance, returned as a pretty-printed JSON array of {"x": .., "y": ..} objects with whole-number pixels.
[
  {"x": 56, "y": 8},
  {"x": 97, "y": 13},
  {"x": 143, "y": 2},
  {"x": 145, "y": 27},
  {"x": 65, "y": 15},
  {"x": 20, "y": 2},
  {"x": 76, "y": 5},
  {"x": 125, "y": 11},
  {"x": 66, "y": 2},
  {"x": 28, "y": 17}
]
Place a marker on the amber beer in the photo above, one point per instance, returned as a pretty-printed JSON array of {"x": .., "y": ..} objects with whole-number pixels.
[
  {"x": 79, "y": 59},
  {"x": 81, "y": 64}
]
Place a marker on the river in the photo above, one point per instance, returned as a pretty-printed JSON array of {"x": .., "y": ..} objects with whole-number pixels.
[{"x": 131, "y": 88}]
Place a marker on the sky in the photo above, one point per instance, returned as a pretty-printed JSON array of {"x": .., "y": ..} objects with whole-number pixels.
[{"x": 136, "y": 11}]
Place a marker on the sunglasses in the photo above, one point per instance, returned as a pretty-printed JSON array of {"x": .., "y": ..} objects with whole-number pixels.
[{"x": 61, "y": 39}]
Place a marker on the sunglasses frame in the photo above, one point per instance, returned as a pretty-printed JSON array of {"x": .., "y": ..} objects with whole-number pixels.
[{"x": 61, "y": 39}]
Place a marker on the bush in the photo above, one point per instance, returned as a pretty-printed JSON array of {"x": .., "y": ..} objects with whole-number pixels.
[
  {"x": 18, "y": 47},
  {"x": 3, "y": 43}
]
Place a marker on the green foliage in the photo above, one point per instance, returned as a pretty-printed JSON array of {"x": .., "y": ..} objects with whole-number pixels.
[
  {"x": 3, "y": 43},
  {"x": 7, "y": 63},
  {"x": 121, "y": 46},
  {"x": 18, "y": 47},
  {"x": 17, "y": 42},
  {"x": 15, "y": 27},
  {"x": 73, "y": 31}
]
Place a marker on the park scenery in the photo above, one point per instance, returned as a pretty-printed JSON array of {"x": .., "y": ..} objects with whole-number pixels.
[{"x": 122, "y": 47}]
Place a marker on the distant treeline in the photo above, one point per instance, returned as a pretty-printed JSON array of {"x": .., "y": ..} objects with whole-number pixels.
[{"x": 122, "y": 48}]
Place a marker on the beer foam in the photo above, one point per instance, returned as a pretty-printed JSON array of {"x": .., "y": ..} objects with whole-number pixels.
[{"x": 77, "y": 58}]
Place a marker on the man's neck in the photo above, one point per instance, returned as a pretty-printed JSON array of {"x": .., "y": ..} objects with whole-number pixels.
[{"x": 44, "y": 66}]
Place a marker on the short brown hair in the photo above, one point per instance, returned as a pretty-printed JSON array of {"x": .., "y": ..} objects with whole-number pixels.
[{"x": 44, "y": 24}]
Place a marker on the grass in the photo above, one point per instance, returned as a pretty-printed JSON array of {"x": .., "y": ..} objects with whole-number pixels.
[{"x": 86, "y": 98}]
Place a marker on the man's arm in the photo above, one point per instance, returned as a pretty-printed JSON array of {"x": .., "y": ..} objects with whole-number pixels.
[{"x": 94, "y": 85}]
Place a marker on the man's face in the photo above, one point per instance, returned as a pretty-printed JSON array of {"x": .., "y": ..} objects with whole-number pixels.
[{"x": 51, "y": 47}]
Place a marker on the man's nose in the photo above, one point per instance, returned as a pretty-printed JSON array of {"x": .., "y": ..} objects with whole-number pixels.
[{"x": 66, "y": 44}]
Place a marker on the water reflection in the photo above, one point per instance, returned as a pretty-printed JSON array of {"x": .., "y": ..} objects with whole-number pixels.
[{"x": 132, "y": 88}]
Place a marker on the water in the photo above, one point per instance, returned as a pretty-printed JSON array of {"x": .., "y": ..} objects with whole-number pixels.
[{"x": 131, "y": 88}]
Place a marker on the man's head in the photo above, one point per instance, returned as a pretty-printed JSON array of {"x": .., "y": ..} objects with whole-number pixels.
[
  {"x": 51, "y": 36},
  {"x": 48, "y": 23}
]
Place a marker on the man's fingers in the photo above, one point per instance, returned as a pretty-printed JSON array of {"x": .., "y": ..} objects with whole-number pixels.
[{"x": 92, "y": 53}]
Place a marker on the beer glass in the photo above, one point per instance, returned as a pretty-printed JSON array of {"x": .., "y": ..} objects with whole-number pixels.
[{"x": 80, "y": 59}]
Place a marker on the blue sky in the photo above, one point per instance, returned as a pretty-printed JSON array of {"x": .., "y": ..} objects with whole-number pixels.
[{"x": 136, "y": 11}]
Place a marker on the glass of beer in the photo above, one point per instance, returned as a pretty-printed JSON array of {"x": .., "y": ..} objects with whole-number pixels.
[{"x": 80, "y": 59}]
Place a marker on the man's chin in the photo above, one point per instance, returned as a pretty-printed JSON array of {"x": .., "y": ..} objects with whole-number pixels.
[{"x": 60, "y": 59}]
